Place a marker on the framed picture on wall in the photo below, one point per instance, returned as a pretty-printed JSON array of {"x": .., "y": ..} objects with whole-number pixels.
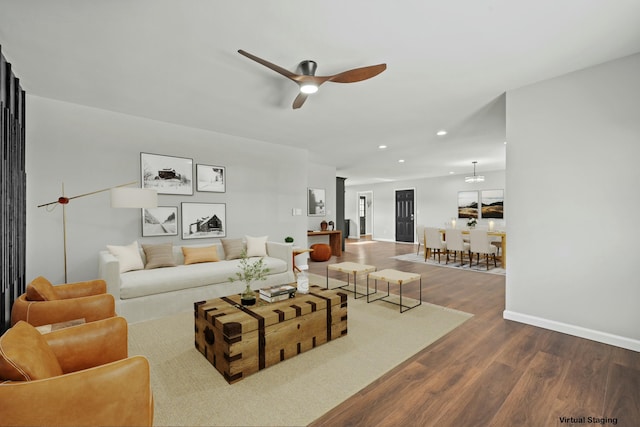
[
  {"x": 167, "y": 174},
  {"x": 316, "y": 202},
  {"x": 160, "y": 221},
  {"x": 211, "y": 178},
  {"x": 203, "y": 220},
  {"x": 492, "y": 204},
  {"x": 467, "y": 204}
]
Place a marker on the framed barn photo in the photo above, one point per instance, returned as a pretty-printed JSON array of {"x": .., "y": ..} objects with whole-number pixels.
[
  {"x": 467, "y": 204},
  {"x": 211, "y": 178},
  {"x": 316, "y": 202},
  {"x": 492, "y": 203},
  {"x": 203, "y": 220},
  {"x": 167, "y": 174},
  {"x": 160, "y": 221}
]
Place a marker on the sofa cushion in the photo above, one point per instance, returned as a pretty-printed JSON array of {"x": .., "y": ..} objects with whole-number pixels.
[
  {"x": 160, "y": 255},
  {"x": 128, "y": 256},
  {"x": 200, "y": 254},
  {"x": 232, "y": 248},
  {"x": 256, "y": 246},
  {"x": 40, "y": 289},
  {"x": 25, "y": 355},
  {"x": 134, "y": 284}
]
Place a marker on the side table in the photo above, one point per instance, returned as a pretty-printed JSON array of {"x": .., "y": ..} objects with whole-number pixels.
[
  {"x": 351, "y": 268},
  {"x": 399, "y": 278}
]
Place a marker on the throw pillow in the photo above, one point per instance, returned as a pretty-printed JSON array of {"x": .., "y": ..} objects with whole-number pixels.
[
  {"x": 160, "y": 255},
  {"x": 128, "y": 256},
  {"x": 40, "y": 289},
  {"x": 25, "y": 355},
  {"x": 197, "y": 255},
  {"x": 256, "y": 246},
  {"x": 232, "y": 248}
]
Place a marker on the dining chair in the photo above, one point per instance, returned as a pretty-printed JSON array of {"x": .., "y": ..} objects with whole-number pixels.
[
  {"x": 479, "y": 243},
  {"x": 433, "y": 243},
  {"x": 420, "y": 235},
  {"x": 455, "y": 243}
]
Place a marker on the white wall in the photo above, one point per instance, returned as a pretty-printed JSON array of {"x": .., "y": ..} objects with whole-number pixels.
[
  {"x": 573, "y": 173},
  {"x": 436, "y": 201},
  {"x": 90, "y": 149}
]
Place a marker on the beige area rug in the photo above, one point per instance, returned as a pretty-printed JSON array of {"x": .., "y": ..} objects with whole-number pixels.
[
  {"x": 188, "y": 391},
  {"x": 482, "y": 268}
]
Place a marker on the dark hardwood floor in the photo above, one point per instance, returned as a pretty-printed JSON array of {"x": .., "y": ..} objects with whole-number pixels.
[{"x": 489, "y": 371}]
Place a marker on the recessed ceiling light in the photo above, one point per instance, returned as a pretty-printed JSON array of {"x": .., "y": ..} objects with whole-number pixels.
[
  {"x": 441, "y": 132},
  {"x": 451, "y": 172},
  {"x": 505, "y": 143},
  {"x": 382, "y": 147},
  {"x": 401, "y": 161}
]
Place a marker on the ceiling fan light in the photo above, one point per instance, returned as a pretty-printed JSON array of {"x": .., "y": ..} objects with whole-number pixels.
[{"x": 308, "y": 88}]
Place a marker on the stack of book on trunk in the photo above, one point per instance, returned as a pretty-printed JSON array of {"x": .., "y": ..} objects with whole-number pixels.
[{"x": 278, "y": 293}]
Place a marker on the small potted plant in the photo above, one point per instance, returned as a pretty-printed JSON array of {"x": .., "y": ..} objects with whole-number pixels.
[
  {"x": 472, "y": 222},
  {"x": 288, "y": 239},
  {"x": 250, "y": 272}
]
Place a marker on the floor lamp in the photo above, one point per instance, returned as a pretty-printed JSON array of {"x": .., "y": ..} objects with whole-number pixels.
[{"x": 121, "y": 197}]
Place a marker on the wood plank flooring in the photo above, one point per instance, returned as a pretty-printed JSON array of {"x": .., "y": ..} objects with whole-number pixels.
[{"x": 489, "y": 371}]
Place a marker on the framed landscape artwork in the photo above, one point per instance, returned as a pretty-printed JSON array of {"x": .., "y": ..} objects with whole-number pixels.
[
  {"x": 203, "y": 220},
  {"x": 160, "y": 221},
  {"x": 316, "y": 202},
  {"x": 492, "y": 204},
  {"x": 167, "y": 174},
  {"x": 467, "y": 204},
  {"x": 210, "y": 178}
]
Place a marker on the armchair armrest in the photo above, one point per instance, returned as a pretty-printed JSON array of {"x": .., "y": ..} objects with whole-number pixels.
[
  {"x": 37, "y": 313},
  {"x": 115, "y": 394},
  {"x": 81, "y": 289},
  {"x": 90, "y": 344},
  {"x": 283, "y": 251}
]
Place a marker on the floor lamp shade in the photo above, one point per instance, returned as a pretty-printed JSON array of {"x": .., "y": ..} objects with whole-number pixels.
[{"x": 122, "y": 197}]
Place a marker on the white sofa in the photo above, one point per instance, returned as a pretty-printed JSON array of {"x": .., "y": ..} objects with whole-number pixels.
[{"x": 148, "y": 294}]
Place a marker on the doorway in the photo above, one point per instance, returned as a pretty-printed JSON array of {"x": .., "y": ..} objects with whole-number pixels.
[
  {"x": 365, "y": 213},
  {"x": 405, "y": 226}
]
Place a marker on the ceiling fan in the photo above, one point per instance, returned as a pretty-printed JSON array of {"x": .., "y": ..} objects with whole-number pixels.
[{"x": 309, "y": 82}]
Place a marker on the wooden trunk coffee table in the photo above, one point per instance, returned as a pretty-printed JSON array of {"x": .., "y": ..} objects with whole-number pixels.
[{"x": 241, "y": 340}]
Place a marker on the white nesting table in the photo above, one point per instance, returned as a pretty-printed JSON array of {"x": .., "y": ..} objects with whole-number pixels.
[
  {"x": 396, "y": 277},
  {"x": 351, "y": 268}
]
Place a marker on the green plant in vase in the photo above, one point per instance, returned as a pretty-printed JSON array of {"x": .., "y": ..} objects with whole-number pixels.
[
  {"x": 249, "y": 272},
  {"x": 472, "y": 222}
]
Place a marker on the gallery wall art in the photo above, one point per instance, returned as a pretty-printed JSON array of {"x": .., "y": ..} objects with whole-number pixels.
[
  {"x": 467, "y": 204},
  {"x": 160, "y": 221},
  {"x": 203, "y": 220},
  {"x": 211, "y": 178},
  {"x": 316, "y": 202},
  {"x": 492, "y": 202},
  {"x": 167, "y": 174}
]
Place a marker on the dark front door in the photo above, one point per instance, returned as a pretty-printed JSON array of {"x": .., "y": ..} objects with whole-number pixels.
[
  {"x": 363, "y": 215},
  {"x": 404, "y": 215}
]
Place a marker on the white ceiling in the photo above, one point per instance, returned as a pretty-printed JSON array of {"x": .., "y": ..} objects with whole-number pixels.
[{"x": 449, "y": 64}]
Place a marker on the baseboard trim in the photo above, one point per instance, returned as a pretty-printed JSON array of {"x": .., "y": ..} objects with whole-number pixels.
[{"x": 577, "y": 331}]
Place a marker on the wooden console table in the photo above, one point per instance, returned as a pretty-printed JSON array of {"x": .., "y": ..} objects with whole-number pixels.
[{"x": 335, "y": 240}]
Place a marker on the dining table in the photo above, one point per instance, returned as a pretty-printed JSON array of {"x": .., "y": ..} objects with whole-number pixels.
[{"x": 495, "y": 233}]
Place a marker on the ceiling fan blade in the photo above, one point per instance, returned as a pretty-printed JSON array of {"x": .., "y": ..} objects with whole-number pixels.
[
  {"x": 297, "y": 103},
  {"x": 358, "y": 74},
  {"x": 270, "y": 65}
]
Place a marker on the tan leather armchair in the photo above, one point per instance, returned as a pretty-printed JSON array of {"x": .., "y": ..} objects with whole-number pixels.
[
  {"x": 76, "y": 376},
  {"x": 44, "y": 303}
]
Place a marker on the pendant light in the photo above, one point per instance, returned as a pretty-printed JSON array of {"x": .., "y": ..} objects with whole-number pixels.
[{"x": 474, "y": 178}]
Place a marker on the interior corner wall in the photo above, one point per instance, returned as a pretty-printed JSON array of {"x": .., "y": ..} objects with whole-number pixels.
[
  {"x": 89, "y": 149},
  {"x": 436, "y": 201},
  {"x": 572, "y": 172},
  {"x": 324, "y": 177}
]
